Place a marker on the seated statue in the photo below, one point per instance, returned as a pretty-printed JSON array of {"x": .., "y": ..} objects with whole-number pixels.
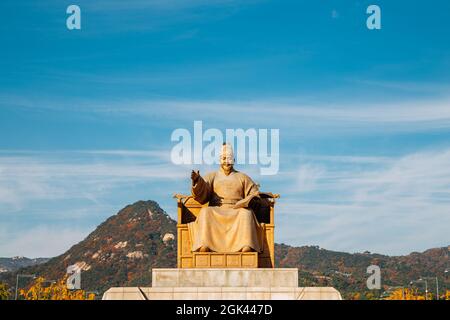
[{"x": 228, "y": 223}]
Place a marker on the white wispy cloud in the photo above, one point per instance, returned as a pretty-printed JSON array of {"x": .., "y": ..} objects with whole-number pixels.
[
  {"x": 409, "y": 86},
  {"x": 160, "y": 5},
  {"x": 396, "y": 204},
  {"x": 308, "y": 177},
  {"x": 406, "y": 116},
  {"x": 107, "y": 16},
  {"x": 352, "y": 203},
  {"x": 33, "y": 175},
  {"x": 40, "y": 241}
]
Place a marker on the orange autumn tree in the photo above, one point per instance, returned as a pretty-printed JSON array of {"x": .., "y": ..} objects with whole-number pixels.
[
  {"x": 409, "y": 294},
  {"x": 55, "y": 291},
  {"x": 4, "y": 292},
  {"x": 405, "y": 294}
]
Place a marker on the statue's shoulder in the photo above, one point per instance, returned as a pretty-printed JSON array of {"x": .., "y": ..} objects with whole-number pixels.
[
  {"x": 210, "y": 176},
  {"x": 242, "y": 175}
]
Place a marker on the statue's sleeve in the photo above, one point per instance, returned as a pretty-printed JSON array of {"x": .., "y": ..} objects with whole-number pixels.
[
  {"x": 250, "y": 188},
  {"x": 251, "y": 191},
  {"x": 201, "y": 190}
]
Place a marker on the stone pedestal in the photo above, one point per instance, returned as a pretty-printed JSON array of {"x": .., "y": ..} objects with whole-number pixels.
[{"x": 224, "y": 284}]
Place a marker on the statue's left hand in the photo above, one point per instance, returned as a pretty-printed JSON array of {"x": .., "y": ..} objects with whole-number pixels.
[{"x": 195, "y": 175}]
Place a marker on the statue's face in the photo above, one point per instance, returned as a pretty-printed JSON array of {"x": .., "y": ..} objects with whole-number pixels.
[{"x": 226, "y": 163}]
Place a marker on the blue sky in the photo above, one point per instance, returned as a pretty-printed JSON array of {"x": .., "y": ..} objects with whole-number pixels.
[{"x": 364, "y": 116}]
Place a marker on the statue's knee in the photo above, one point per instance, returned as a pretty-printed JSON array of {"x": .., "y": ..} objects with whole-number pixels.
[
  {"x": 246, "y": 212},
  {"x": 204, "y": 212}
]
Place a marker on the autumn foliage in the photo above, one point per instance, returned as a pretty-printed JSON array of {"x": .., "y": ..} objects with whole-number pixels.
[
  {"x": 4, "y": 292},
  {"x": 55, "y": 291},
  {"x": 410, "y": 294}
]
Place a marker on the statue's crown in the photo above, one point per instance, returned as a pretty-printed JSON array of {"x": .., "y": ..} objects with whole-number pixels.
[{"x": 227, "y": 150}]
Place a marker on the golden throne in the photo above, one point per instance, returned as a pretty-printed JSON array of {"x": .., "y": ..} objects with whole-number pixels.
[{"x": 188, "y": 210}]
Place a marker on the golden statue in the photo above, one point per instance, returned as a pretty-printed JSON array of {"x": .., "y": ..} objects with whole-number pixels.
[{"x": 226, "y": 222}]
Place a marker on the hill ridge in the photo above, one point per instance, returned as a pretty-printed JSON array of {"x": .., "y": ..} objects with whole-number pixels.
[{"x": 122, "y": 250}]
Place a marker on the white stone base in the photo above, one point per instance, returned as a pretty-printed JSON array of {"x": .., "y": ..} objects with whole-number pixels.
[
  {"x": 222, "y": 293},
  {"x": 223, "y": 284}
]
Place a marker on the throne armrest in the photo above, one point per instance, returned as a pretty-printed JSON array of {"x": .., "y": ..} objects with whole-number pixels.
[
  {"x": 181, "y": 197},
  {"x": 265, "y": 210},
  {"x": 188, "y": 208},
  {"x": 269, "y": 195}
]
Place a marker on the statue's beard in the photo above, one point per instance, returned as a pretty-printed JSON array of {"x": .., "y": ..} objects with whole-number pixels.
[{"x": 227, "y": 168}]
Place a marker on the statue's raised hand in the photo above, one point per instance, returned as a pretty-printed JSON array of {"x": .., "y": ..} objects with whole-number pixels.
[{"x": 195, "y": 175}]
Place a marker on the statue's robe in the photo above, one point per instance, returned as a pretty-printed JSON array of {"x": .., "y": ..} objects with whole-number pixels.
[{"x": 226, "y": 224}]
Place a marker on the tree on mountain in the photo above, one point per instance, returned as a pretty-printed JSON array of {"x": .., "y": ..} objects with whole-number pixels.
[
  {"x": 55, "y": 291},
  {"x": 4, "y": 292},
  {"x": 406, "y": 294},
  {"x": 355, "y": 296}
]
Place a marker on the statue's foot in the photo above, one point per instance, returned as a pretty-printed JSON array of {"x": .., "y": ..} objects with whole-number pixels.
[
  {"x": 246, "y": 249},
  {"x": 204, "y": 249}
]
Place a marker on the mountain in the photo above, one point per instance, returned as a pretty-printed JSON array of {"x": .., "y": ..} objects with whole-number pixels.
[
  {"x": 348, "y": 272},
  {"x": 119, "y": 252},
  {"x": 122, "y": 251},
  {"x": 15, "y": 263}
]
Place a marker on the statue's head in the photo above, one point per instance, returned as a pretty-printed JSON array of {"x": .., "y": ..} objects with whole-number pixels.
[{"x": 227, "y": 158}]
